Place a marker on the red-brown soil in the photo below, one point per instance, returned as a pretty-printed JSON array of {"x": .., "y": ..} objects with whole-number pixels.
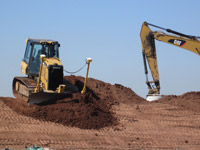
[
  {"x": 189, "y": 101},
  {"x": 106, "y": 117}
]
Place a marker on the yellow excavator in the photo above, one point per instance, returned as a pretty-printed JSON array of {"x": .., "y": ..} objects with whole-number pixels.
[
  {"x": 45, "y": 80},
  {"x": 148, "y": 38}
]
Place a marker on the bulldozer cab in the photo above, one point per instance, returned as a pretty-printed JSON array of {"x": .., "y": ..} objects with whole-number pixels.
[{"x": 36, "y": 47}]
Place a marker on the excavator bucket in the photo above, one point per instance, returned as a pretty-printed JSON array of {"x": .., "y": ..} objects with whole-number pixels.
[{"x": 153, "y": 97}]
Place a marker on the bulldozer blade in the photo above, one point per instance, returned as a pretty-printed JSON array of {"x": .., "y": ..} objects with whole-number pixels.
[
  {"x": 40, "y": 97},
  {"x": 23, "y": 88}
]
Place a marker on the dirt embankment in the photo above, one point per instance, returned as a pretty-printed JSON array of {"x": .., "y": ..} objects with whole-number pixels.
[
  {"x": 89, "y": 111},
  {"x": 120, "y": 118},
  {"x": 187, "y": 101}
]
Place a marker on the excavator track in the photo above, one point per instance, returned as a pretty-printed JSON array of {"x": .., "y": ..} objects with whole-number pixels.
[{"x": 23, "y": 88}]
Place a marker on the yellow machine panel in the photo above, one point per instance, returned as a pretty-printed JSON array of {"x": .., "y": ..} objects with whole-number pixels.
[
  {"x": 148, "y": 38},
  {"x": 24, "y": 67}
]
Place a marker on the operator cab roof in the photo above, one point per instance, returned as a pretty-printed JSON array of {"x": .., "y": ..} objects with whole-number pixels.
[{"x": 41, "y": 40}]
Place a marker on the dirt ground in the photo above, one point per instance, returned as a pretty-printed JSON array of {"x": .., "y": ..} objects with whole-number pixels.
[{"x": 107, "y": 117}]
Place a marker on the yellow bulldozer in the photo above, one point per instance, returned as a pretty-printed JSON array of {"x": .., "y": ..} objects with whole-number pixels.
[{"x": 45, "y": 78}]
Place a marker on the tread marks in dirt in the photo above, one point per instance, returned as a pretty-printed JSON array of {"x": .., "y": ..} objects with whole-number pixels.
[{"x": 187, "y": 101}]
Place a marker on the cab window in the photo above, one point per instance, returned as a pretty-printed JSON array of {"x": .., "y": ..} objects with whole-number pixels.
[
  {"x": 35, "y": 59},
  {"x": 50, "y": 50},
  {"x": 28, "y": 52},
  {"x": 36, "y": 52}
]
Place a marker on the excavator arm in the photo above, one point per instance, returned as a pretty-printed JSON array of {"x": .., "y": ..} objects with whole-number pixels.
[
  {"x": 148, "y": 38},
  {"x": 149, "y": 55}
]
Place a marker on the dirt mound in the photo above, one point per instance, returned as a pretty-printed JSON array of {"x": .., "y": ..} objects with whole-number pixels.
[
  {"x": 169, "y": 123},
  {"x": 189, "y": 101},
  {"x": 90, "y": 111},
  {"x": 117, "y": 92}
]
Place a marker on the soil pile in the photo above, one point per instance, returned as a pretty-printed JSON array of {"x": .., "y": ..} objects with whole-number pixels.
[
  {"x": 133, "y": 123},
  {"x": 90, "y": 111},
  {"x": 186, "y": 101},
  {"x": 113, "y": 93}
]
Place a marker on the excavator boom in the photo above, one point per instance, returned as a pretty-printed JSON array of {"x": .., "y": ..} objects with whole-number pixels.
[{"x": 148, "y": 38}]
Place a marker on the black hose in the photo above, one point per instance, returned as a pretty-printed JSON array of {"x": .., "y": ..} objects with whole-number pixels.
[{"x": 77, "y": 70}]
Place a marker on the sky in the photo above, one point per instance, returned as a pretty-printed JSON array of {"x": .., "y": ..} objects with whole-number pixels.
[{"x": 108, "y": 31}]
